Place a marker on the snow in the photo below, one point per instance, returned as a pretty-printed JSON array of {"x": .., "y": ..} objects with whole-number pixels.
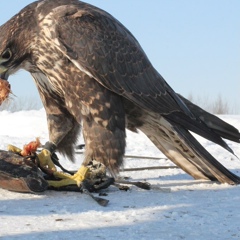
[{"x": 177, "y": 208}]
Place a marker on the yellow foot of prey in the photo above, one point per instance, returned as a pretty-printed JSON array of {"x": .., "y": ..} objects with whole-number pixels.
[
  {"x": 46, "y": 164},
  {"x": 67, "y": 179}
]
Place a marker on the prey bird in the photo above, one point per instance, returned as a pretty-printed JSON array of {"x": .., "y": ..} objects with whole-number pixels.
[{"x": 90, "y": 71}]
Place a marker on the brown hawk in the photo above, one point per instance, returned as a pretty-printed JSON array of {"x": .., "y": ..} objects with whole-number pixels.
[{"x": 91, "y": 71}]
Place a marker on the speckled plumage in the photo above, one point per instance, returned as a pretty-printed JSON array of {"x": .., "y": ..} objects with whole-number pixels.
[{"x": 91, "y": 71}]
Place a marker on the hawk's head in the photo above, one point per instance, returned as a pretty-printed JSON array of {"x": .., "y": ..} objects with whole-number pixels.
[{"x": 15, "y": 42}]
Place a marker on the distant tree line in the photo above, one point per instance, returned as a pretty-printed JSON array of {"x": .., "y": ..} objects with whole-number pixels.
[
  {"x": 219, "y": 105},
  {"x": 15, "y": 104}
]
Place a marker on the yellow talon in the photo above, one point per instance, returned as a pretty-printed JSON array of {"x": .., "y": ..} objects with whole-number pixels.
[
  {"x": 46, "y": 162},
  {"x": 61, "y": 183},
  {"x": 66, "y": 179},
  {"x": 81, "y": 174}
]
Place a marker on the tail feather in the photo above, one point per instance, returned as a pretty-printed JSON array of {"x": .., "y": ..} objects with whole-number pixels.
[
  {"x": 184, "y": 150},
  {"x": 197, "y": 126},
  {"x": 217, "y": 125},
  {"x": 206, "y": 161}
]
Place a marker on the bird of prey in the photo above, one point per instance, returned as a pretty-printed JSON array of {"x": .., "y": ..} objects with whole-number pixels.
[{"x": 90, "y": 71}]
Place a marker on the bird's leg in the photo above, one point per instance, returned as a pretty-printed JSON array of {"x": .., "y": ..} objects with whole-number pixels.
[
  {"x": 67, "y": 179},
  {"x": 45, "y": 162},
  {"x": 63, "y": 129},
  {"x": 47, "y": 165},
  {"x": 103, "y": 144}
]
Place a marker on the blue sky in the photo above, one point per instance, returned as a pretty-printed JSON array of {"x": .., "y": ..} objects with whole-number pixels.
[{"x": 195, "y": 45}]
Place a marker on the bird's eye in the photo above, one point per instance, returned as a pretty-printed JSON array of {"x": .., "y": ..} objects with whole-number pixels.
[{"x": 6, "y": 55}]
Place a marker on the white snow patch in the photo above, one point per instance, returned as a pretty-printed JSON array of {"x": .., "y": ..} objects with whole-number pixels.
[{"x": 191, "y": 210}]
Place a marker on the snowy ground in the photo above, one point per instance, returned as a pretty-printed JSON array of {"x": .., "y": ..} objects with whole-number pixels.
[{"x": 191, "y": 210}]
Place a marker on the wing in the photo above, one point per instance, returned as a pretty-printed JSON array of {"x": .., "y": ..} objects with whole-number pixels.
[{"x": 102, "y": 47}]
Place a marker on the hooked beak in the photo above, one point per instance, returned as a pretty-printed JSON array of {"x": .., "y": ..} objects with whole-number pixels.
[{"x": 3, "y": 72}]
